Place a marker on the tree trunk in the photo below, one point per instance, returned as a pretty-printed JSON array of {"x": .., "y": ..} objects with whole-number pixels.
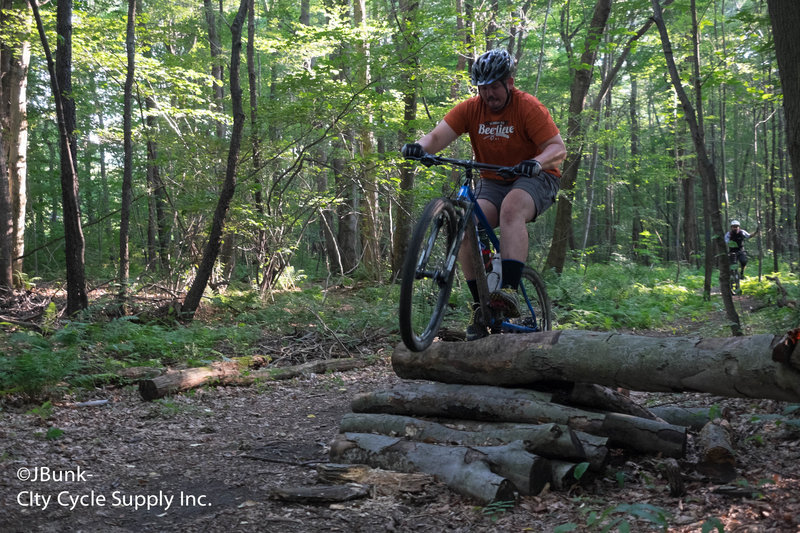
[
  {"x": 368, "y": 183},
  {"x": 127, "y": 143},
  {"x": 785, "y": 16},
  {"x": 211, "y": 251},
  {"x": 6, "y": 226},
  {"x": 738, "y": 367},
  {"x": 706, "y": 167},
  {"x": 15, "y": 54},
  {"x": 404, "y": 221},
  {"x": 576, "y": 129},
  {"x": 61, "y": 83}
]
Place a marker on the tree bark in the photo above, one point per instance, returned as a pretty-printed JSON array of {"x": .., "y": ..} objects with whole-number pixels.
[
  {"x": 15, "y": 55},
  {"x": 6, "y": 225},
  {"x": 738, "y": 367},
  {"x": 408, "y": 35},
  {"x": 785, "y": 17},
  {"x": 127, "y": 144},
  {"x": 465, "y": 470},
  {"x": 486, "y": 403},
  {"x": 547, "y": 440},
  {"x": 61, "y": 83}
]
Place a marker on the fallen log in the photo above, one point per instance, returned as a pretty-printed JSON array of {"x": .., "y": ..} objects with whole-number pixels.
[
  {"x": 547, "y": 440},
  {"x": 602, "y": 398},
  {"x": 692, "y": 417},
  {"x": 232, "y": 373},
  {"x": 463, "y": 469},
  {"x": 562, "y": 475},
  {"x": 717, "y": 458},
  {"x": 595, "y": 448},
  {"x": 475, "y": 402},
  {"x": 739, "y": 367},
  {"x": 320, "y": 493},
  {"x": 479, "y": 402}
]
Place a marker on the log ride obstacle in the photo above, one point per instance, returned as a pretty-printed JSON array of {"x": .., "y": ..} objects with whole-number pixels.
[{"x": 509, "y": 415}]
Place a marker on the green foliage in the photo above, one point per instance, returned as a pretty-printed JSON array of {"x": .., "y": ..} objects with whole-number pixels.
[
  {"x": 495, "y": 509},
  {"x": 37, "y": 364},
  {"x": 625, "y": 296}
]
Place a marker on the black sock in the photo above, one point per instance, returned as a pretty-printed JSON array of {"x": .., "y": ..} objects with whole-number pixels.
[
  {"x": 512, "y": 273},
  {"x": 473, "y": 288}
]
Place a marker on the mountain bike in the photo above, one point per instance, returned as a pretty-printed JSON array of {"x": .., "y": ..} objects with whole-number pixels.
[
  {"x": 733, "y": 257},
  {"x": 430, "y": 264}
]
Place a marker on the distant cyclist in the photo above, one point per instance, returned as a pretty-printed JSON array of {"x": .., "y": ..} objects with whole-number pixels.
[
  {"x": 737, "y": 236},
  {"x": 506, "y": 127}
]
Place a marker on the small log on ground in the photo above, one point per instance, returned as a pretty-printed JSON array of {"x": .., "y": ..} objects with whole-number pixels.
[
  {"x": 547, "y": 440},
  {"x": 182, "y": 380},
  {"x": 231, "y": 373},
  {"x": 736, "y": 367},
  {"x": 485, "y": 403},
  {"x": 321, "y": 493},
  {"x": 693, "y": 418},
  {"x": 717, "y": 457},
  {"x": 465, "y": 470}
]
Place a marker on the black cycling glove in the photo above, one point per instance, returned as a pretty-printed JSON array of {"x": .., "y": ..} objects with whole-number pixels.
[
  {"x": 413, "y": 151},
  {"x": 529, "y": 168}
]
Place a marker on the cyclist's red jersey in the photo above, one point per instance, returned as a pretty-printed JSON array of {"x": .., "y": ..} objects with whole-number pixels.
[{"x": 508, "y": 137}]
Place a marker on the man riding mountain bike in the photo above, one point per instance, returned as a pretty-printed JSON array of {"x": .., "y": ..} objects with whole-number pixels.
[
  {"x": 737, "y": 236},
  {"x": 506, "y": 127}
]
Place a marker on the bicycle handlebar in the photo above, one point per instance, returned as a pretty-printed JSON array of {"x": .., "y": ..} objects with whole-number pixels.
[{"x": 430, "y": 159}]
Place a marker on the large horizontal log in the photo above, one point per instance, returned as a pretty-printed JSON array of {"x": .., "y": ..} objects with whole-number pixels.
[
  {"x": 463, "y": 469},
  {"x": 547, "y": 440},
  {"x": 475, "y": 402},
  {"x": 738, "y": 367},
  {"x": 497, "y": 404}
]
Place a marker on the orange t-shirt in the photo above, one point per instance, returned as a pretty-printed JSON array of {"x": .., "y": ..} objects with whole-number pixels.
[{"x": 508, "y": 137}]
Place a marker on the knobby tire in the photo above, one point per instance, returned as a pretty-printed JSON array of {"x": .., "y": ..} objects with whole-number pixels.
[{"x": 425, "y": 281}]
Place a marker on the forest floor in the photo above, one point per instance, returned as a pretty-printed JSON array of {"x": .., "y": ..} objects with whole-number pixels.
[{"x": 211, "y": 459}]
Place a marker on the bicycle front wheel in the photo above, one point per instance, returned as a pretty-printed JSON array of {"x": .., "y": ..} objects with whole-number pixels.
[
  {"x": 735, "y": 282},
  {"x": 534, "y": 304},
  {"x": 427, "y": 275}
]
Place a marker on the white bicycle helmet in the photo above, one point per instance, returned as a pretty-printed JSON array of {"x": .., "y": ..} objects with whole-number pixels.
[
  {"x": 735, "y": 223},
  {"x": 492, "y": 66}
]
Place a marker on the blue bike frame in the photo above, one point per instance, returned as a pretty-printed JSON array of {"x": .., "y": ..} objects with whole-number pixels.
[{"x": 465, "y": 194}]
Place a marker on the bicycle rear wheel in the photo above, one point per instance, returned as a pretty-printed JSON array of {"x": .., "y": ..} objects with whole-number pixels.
[
  {"x": 534, "y": 304},
  {"x": 427, "y": 275}
]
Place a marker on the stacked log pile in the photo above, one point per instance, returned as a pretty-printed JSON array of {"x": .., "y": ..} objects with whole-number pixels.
[{"x": 513, "y": 414}]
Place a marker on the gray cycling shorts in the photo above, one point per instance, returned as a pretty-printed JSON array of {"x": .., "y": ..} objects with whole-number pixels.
[{"x": 543, "y": 189}]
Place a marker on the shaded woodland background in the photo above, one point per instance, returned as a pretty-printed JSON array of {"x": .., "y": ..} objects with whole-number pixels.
[{"x": 207, "y": 144}]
